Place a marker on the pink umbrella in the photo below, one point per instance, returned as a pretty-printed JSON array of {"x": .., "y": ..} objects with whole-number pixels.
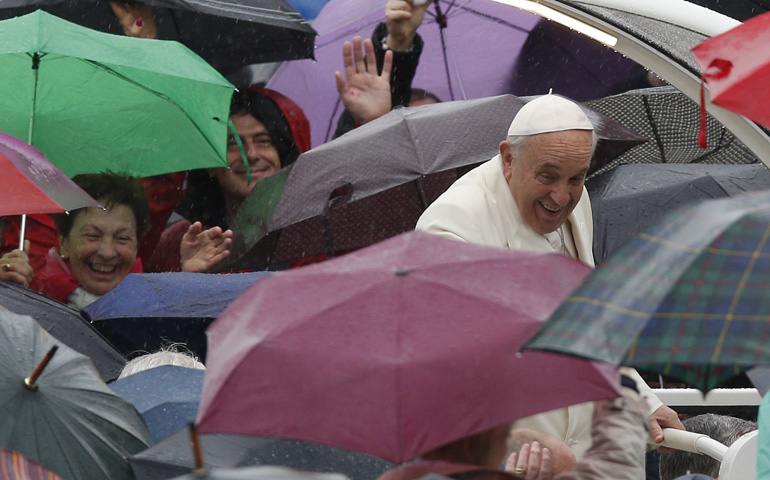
[
  {"x": 395, "y": 349},
  {"x": 32, "y": 184}
]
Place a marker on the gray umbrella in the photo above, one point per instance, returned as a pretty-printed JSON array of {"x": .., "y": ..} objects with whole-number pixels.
[
  {"x": 631, "y": 198},
  {"x": 670, "y": 120},
  {"x": 260, "y": 473},
  {"x": 174, "y": 456},
  {"x": 375, "y": 181}
]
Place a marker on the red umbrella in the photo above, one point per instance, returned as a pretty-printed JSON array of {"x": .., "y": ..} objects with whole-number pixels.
[
  {"x": 15, "y": 466},
  {"x": 395, "y": 349},
  {"x": 32, "y": 184},
  {"x": 736, "y": 66}
]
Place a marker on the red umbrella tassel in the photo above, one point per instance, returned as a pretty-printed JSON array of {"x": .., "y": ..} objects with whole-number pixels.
[
  {"x": 719, "y": 68},
  {"x": 29, "y": 382}
]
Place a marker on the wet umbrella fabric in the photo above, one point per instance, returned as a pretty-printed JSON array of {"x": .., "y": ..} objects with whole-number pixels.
[
  {"x": 153, "y": 106},
  {"x": 257, "y": 473},
  {"x": 65, "y": 324},
  {"x": 631, "y": 198},
  {"x": 72, "y": 423},
  {"x": 226, "y": 33},
  {"x": 147, "y": 310},
  {"x": 578, "y": 64},
  {"x": 374, "y": 182},
  {"x": 687, "y": 298},
  {"x": 735, "y": 66},
  {"x": 670, "y": 120},
  {"x": 173, "y": 456},
  {"x": 32, "y": 184},
  {"x": 421, "y": 334},
  {"x": 167, "y": 397},
  {"x": 15, "y": 466}
]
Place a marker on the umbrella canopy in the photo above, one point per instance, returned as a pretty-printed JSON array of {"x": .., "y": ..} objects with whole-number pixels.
[
  {"x": 167, "y": 397},
  {"x": 226, "y": 33},
  {"x": 735, "y": 65},
  {"x": 32, "y": 184},
  {"x": 375, "y": 182},
  {"x": 631, "y": 198},
  {"x": 15, "y": 466},
  {"x": 65, "y": 324},
  {"x": 686, "y": 298},
  {"x": 395, "y": 349},
  {"x": 147, "y": 310},
  {"x": 670, "y": 120},
  {"x": 153, "y": 107},
  {"x": 68, "y": 420},
  {"x": 257, "y": 473},
  {"x": 460, "y": 61},
  {"x": 173, "y": 456}
]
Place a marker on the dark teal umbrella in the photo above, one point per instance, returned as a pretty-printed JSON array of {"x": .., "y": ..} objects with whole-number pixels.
[
  {"x": 688, "y": 298},
  {"x": 63, "y": 415}
]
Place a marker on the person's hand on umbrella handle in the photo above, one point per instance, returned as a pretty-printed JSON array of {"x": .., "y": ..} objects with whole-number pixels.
[
  {"x": 531, "y": 463},
  {"x": 364, "y": 92},
  {"x": 663, "y": 417},
  {"x": 15, "y": 266},
  {"x": 402, "y": 18},
  {"x": 136, "y": 19},
  {"x": 202, "y": 250}
]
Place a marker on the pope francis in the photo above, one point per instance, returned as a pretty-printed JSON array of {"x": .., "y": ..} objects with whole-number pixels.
[{"x": 532, "y": 197}]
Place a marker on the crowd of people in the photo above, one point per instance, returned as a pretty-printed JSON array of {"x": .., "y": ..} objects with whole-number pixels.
[{"x": 529, "y": 197}]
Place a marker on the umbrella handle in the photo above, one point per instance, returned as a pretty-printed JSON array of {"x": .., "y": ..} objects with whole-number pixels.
[
  {"x": 200, "y": 468},
  {"x": 29, "y": 382},
  {"x": 22, "y": 231}
]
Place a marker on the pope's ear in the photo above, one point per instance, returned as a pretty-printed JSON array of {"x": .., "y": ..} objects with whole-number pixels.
[{"x": 505, "y": 153}]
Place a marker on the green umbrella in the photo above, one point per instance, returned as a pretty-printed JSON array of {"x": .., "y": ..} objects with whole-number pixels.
[
  {"x": 687, "y": 298},
  {"x": 57, "y": 411},
  {"x": 92, "y": 102}
]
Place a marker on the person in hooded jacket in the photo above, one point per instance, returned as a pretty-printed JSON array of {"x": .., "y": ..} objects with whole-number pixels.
[{"x": 273, "y": 131}]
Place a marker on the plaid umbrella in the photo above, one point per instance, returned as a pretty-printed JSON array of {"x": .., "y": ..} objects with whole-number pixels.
[
  {"x": 15, "y": 466},
  {"x": 688, "y": 298}
]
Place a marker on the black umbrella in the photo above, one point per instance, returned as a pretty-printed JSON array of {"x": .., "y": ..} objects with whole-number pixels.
[
  {"x": 670, "y": 120},
  {"x": 55, "y": 410},
  {"x": 226, "y": 33},
  {"x": 174, "y": 456},
  {"x": 631, "y": 198},
  {"x": 374, "y": 182},
  {"x": 66, "y": 324}
]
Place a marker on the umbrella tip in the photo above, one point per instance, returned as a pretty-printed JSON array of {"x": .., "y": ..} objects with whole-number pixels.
[
  {"x": 30, "y": 382},
  {"x": 402, "y": 272}
]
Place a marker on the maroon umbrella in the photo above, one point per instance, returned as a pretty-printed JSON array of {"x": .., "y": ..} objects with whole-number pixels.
[{"x": 395, "y": 349}]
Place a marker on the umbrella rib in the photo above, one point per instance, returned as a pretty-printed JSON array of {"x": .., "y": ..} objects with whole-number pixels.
[
  {"x": 654, "y": 127},
  {"x": 154, "y": 92}
]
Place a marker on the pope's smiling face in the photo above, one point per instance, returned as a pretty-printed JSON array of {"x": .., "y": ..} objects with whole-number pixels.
[
  {"x": 546, "y": 176},
  {"x": 101, "y": 247}
]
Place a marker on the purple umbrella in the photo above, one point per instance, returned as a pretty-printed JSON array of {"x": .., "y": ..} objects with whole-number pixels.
[{"x": 486, "y": 53}]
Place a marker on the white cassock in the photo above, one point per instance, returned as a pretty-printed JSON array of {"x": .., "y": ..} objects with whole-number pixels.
[{"x": 479, "y": 208}]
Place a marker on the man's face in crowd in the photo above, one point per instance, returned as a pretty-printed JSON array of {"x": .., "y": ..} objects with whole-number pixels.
[
  {"x": 546, "y": 177},
  {"x": 260, "y": 152}
]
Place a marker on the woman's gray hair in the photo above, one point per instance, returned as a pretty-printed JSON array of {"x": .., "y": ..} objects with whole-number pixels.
[{"x": 170, "y": 355}]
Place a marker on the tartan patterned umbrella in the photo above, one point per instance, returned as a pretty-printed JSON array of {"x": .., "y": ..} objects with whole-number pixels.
[{"x": 688, "y": 298}]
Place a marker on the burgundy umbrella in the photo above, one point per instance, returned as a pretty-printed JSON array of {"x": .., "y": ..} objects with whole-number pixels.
[{"x": 395, "y": 349}]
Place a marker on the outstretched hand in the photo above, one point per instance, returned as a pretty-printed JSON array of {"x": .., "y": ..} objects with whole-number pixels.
[
  {"x": 402, "y": 18},
  {"x": 136, "y": 19},
  {"x": 531, "y": 463},
  {"x": 202, "y": 250},
  {"x": 365, "y": 94},
  {"x": 15, "y": 266}
]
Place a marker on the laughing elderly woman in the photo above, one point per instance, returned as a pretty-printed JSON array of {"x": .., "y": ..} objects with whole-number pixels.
[{"x": 98, "y": 247}]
